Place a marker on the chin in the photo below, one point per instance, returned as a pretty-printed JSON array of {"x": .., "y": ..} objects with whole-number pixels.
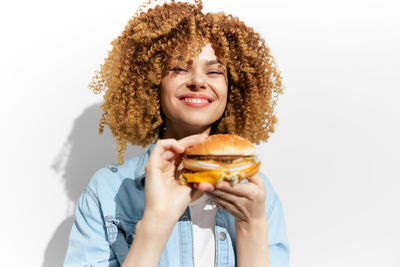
[{"x": 198, "y": 121}]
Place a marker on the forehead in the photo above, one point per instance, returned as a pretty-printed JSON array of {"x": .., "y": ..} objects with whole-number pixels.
[
  {"x": 207, "y": 53},
  {"x": 207, "y": 56}
]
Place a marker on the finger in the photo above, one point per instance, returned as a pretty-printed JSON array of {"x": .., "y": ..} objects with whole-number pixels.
[
  {"x": 167, "y": 144},
  {"x": 240, "y": 189},
  {"x": 178, "y": 161},
  {"x": 167, "y": 149},
  {"x": 178, "y": 172},
  {"x": 225, "y": 195},
  {"x": 159, "y": 155},
  {"x": 229, "y": 207},
  {"x": 170, "y": 148},
  {"x": 223, "y": 203},
  {"x": 192, "y": 140},
  {"x": 203, "y": 186},
  {"x": 165, "y": 165},
  {"x": 256, "y": 179}
]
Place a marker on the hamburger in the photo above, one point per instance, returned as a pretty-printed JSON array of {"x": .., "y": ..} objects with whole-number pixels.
[{"x": 220, "y": 157}]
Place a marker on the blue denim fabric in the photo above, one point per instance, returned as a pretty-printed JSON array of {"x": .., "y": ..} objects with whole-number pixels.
[{"x": 113, "y": 203}]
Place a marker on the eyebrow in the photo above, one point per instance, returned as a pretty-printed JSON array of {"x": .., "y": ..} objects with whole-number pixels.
[
  {"x": 209, "y": 62},
  {"x": 212, "y": 62}
]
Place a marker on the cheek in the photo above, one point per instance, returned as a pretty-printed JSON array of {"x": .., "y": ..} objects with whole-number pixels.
[
  {"x": 223, "y": 91},
  {"x": 164, "y": 97},
  {"x": 223, "y": 97},
  {"x": 167, "y": 88},
  {"x": 165, "y": 105}
]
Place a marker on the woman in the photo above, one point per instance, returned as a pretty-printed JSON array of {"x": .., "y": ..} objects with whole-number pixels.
[{"x": 176, "y": 75}]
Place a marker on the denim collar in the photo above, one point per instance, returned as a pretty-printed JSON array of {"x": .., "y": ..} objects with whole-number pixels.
[{"x": 140, "y": 172}]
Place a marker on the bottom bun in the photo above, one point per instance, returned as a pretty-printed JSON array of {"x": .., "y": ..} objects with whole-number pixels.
[{"x": 217, "y": 176}]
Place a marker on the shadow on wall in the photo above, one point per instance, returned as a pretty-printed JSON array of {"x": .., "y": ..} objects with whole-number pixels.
[{"x": 83, "y": 153}]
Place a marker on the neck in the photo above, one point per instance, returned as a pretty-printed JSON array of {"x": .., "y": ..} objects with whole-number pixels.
[{"x": 178, "y": 132}]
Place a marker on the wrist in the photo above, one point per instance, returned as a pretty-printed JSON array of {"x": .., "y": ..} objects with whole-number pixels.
[
  {"x": 155, "y": 224},
  {"x": 252, "y": 225},
  {"x": 149, "y": 242},
  {"x": 252, "y": 242}
]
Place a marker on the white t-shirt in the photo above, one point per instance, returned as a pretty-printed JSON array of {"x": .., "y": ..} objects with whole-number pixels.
[{"x": 203, "y": 211}]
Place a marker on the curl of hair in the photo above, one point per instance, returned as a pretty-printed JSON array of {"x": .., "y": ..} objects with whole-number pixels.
[{"x": 172, "y": 34}]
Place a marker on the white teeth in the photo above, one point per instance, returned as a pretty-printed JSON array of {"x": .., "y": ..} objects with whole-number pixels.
[{"x": 196, "y": 100}]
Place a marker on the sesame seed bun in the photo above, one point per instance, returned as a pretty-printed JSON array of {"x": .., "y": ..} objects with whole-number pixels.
[{"x": 223, "y": 144}]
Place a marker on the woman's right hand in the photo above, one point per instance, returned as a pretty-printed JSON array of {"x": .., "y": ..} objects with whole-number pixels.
[{"x": 166, "y": 199}]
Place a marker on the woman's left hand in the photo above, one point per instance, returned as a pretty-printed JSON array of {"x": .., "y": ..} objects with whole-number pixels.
[{"x": 245, "y": 201}]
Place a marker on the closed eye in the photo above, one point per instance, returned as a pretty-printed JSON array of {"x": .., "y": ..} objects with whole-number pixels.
[
  {"x": 214, "y": 72},
  {"x": 177, "y": 69}
]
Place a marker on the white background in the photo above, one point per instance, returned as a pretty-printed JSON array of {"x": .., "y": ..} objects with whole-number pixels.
[{"x": 334, "y": 159}]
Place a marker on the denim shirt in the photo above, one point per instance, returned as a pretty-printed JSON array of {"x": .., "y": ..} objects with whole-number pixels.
[{"x": 112, "y": 204}]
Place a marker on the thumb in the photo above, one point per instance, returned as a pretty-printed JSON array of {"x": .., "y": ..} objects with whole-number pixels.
[{"x": 256, "y": 179}]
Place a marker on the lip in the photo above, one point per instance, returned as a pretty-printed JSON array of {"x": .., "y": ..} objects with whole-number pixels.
[{"x": 198, "y": 96}]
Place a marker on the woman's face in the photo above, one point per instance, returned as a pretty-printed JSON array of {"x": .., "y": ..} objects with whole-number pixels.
[{"x": 195, "y": 96}]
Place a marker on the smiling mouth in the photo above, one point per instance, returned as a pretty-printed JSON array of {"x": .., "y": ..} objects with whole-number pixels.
[{"x": 195, "y": 100}]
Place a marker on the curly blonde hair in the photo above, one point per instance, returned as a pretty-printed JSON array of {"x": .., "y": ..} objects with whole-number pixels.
[{"x": 169, "y": 35}]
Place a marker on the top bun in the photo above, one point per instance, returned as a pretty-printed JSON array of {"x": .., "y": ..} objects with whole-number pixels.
[{"x": 223, "y": 144}]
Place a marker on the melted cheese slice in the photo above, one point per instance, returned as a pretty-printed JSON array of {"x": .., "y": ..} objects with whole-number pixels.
[
  {"x": 214, "y": 177},
  {"x": 209, "y": 177}
]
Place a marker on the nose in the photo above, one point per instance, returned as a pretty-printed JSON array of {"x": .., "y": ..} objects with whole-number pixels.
[{"x": 196, "y": 84}]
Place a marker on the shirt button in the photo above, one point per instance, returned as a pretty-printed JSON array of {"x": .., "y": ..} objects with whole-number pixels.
[
  {"x": 185, "y": 218},
  {"x": 222, "y": 236}
]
